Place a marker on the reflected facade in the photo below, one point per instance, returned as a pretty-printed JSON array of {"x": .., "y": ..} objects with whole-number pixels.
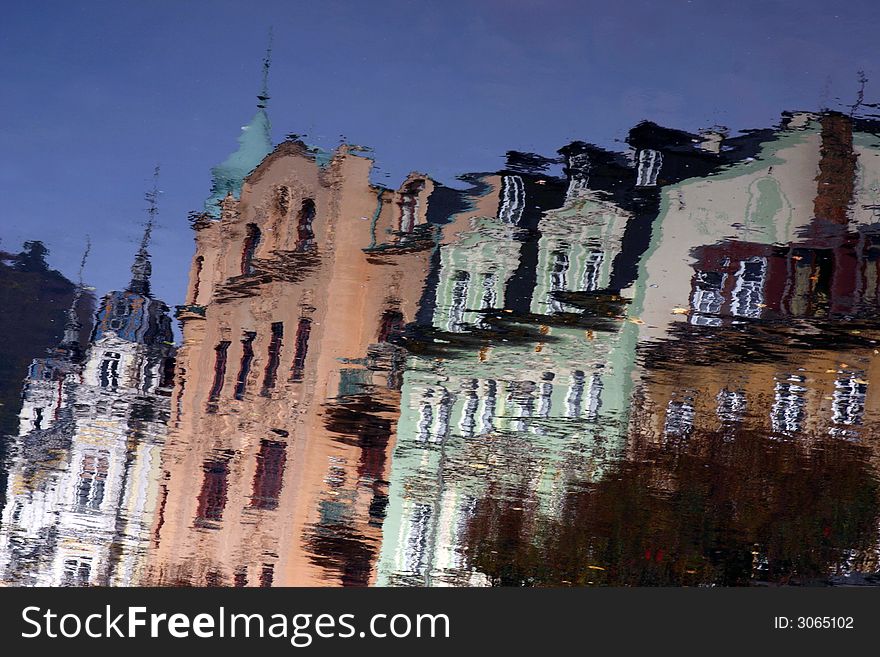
[{"x": 655, "y": 366}]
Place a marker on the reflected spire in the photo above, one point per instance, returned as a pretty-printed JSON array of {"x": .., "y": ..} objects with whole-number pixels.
[
  {"x": 263, "y": 96},
  {"x": 141, "y": 267},
  {"x": 254, "y": 143},
  {"x": 73, "y": 326}
]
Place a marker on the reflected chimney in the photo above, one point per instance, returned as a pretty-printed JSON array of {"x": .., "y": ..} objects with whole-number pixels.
[
  {"x": 797, "y": 120},
  {"x": 712, "y": 139}
]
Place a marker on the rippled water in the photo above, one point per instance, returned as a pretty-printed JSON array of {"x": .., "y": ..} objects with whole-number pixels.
[{"x": 650, "y": 366}]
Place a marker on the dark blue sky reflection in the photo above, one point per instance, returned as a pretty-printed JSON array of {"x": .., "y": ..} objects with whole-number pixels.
[{"x": 97, "y": 93}]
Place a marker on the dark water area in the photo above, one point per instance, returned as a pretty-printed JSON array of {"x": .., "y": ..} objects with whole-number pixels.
[
  {"x": 514, "y": 294},
  {"x": 653, "y": 366}
]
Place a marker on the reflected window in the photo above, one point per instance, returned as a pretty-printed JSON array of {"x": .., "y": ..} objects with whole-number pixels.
[
  {"x": 305, "y": 234},
  {"x": 247, "y": 357},
  {"x": 169, "y": 366},
  {"x": 443, "y": 413},
  {"x": 575, "y": 397},
  {"x": 269, "y": 475},
  {"x": 458, "y": 304},
  {"x": 197, "y": 279},
  {"x": 520, "y": 395},
  {"x": 92, "y": 480},
  {"x": 650, "y": 162},
  {"x": 489, "y": 298},
  {"x": 219, "y": 370},
  {"x": 545, "y": 399},
  {"x": 490, "y": 295},
  {"x": 428, "y": 429},
  {"x": 592, "y": 270},
  {"x": 119, "y": 314},
  {"x": 789, "y": 403},
  {"x": 426, "y": 417},
  {"x": 748, "y": 291},
  {"x": 409, "y": 205},
  {"x": 282, "y": 199},
  {"x": 490, "y": 400},
  {"x": 77, "y": 572},
  {"x": 558, "y": 277},
  {"x": 468, "y": 418},
  {"x": 274, "y": 357},
  {"x": 212, "y": 499},
  {"x": 848, "y": 399},
  {"x": 731, "y": 405},
  {"x": 594, "y": 396},
  {"x": 579, "y": 169},
  {"x": 417, "y": 539},
  {"x": 109, "y": 370},
  {"x": 707, "y": 299},
  {"x": 390, "y": 326},
  {"x": 336, "y": 474},
  {"x": 513, "y": 200},
  {"x": 301, "y": 349},
  {"x": 249, "y": 250},
  {"x": 267, "y": 575},
  {"x": 679, "y": 417}
]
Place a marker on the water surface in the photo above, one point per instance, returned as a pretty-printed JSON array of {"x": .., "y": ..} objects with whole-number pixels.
[{"x": 651, "y": 366}]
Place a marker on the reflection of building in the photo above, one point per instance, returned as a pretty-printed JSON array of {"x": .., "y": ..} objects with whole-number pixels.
[
  {"x": 748, "y": 207},
  {"x": 288, "y": 390},
  {"x": 372, "y": 380},
  {"x": 755, "y": 302},
  {"x": 308, "y": 448},
  {"x": 39, "y": 297},
  {"x": 705, "y": 232},
  {"x": 83, "y": 479},
  {"x": 767, "y": 282},
  {"x": 533, "y": 385}
]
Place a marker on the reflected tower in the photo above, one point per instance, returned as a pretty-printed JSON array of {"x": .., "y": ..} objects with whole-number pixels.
[
  {"x": 287, "y": 394},
  {"x": 83, "y": 479}
]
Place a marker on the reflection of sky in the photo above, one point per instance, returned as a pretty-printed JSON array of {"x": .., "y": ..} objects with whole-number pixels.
[{"x": 96, "y": 93}]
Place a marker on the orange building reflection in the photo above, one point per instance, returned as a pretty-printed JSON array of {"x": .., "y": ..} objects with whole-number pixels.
[{"x": 276, "y": 463}]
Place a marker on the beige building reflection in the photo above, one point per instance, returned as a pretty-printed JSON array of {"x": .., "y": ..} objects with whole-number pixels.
[{"x": 276, "y": 463}]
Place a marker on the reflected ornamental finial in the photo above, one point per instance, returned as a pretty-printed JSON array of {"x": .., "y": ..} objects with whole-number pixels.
[
  {"x": 254, "y": 144},
  {"x": 73, "y": 326},
  {"x": 141, "y": 269},
  {"x": 263, "y": 97}
]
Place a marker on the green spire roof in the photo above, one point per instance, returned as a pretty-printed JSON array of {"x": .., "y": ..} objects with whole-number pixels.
[{"x": 254, "y": 144}]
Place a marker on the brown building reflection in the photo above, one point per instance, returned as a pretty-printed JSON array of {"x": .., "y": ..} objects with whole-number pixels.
[{"x": 276, "y": 465}]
